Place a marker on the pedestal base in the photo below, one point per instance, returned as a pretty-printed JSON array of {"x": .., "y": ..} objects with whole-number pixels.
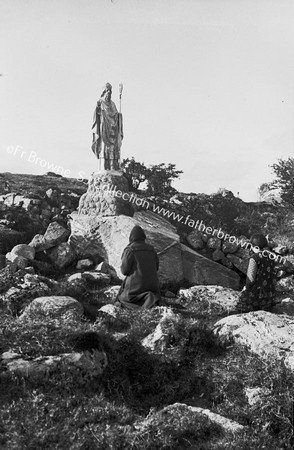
[{"x": 102, "y": 197}]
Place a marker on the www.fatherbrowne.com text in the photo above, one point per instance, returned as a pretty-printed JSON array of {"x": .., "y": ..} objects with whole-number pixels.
[{"x": 187, "y": 220}]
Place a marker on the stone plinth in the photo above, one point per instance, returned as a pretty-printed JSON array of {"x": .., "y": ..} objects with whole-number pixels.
[{"x": 104, "y": 196}]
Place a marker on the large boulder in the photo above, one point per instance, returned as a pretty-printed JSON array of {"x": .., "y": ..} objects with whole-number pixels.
[
  {"x": 108, "y": 236},
  {"x": 262, "y": 332},
  {"x": 53, "y": 307},
  {"x": 200, "y": 270}
]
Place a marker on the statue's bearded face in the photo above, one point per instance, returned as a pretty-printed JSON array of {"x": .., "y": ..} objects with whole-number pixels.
[{"x": 107, "y": 94}]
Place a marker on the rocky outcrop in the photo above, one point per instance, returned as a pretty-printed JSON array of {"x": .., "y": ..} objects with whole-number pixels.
[{"x": 28, "y": 203}]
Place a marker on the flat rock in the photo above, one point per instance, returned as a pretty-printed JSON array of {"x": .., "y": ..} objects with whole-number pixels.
[
  {"x": 181, "y": 409},
  {"x": 93, "y": 363}
]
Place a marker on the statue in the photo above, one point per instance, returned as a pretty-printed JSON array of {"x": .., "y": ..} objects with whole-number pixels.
[{"x": 107, "y": 131}]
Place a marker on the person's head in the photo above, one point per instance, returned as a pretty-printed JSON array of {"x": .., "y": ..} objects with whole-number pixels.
[
  {"x": 137, "y": 234},
  {"x": 259, "y": 240},
  {"x": 107, "y": 91}
]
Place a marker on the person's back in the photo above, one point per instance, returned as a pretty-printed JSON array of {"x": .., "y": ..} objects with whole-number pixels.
[
  {"x": 139, "y": 264},
  {"x": 260, "y": 280}
]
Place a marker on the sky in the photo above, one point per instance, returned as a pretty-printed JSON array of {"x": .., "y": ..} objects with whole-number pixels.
[{"x": 208, "y": 86}]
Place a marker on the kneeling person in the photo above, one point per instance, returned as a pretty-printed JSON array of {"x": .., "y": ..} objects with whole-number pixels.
[{"x": 140, "y": 263}]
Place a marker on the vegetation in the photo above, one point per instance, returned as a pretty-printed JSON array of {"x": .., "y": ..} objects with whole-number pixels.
[
  {"x": 284, "y": 171},
  {"x": 158, "y": 177},
  {"x": 127, "y": 407}
]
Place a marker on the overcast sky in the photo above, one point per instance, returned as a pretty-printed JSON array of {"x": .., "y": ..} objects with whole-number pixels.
[{"x": 208, "y": 86}]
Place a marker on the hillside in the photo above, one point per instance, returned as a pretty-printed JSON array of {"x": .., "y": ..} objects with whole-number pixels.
[{"x": 36, "y": 185}]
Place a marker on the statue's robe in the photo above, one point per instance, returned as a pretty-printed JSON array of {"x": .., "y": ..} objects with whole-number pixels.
[{"x": 107, "y": 134}]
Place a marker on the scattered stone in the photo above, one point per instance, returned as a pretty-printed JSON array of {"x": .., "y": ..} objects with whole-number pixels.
[
  {"x": 18, "y": 297},
  {"x": 241, "y": 264},
  {"x": 53, "y": 307},
  {"x": 256, "y": 395},
  {"x": 195, "y": 240},
  {"x": 280, "y": 249},
  {"x": 23, "y": 250},
  {"x": 218, "y": 255},
  {"x": 43, "y": 267},
  {"x": 62, "y": 256},
  {"x": 92, "y": 363},
  {"x": 97, "y": 277},
  {"x": 111, "y": 310},
  {"x": 285, "y": 284},
  {"x": 171, "y": 332},
  {"x": 74, "y": 277},
  {"x": 214, "y": 243},
  {"x": 39, "y": 243},
  {"x": 229, "y": 247},
  {"x": 180, "y": 410},
  {"x": 84, "y": 264},
  {"x": 56, "y": 234},
  {"x": 285, "y": 306},
  {"x": 225, "y": 299},
  {"x": 18, "y": 260},
  {"x": 110, "y": 293},
  {"x": 169, "y": 294}
]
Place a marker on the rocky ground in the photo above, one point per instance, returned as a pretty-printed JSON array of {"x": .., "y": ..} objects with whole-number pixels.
[{"x": 76, "y": 372}]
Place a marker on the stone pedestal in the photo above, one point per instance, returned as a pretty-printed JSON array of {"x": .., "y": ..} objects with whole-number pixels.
[{"x": 105, "y": 195}]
